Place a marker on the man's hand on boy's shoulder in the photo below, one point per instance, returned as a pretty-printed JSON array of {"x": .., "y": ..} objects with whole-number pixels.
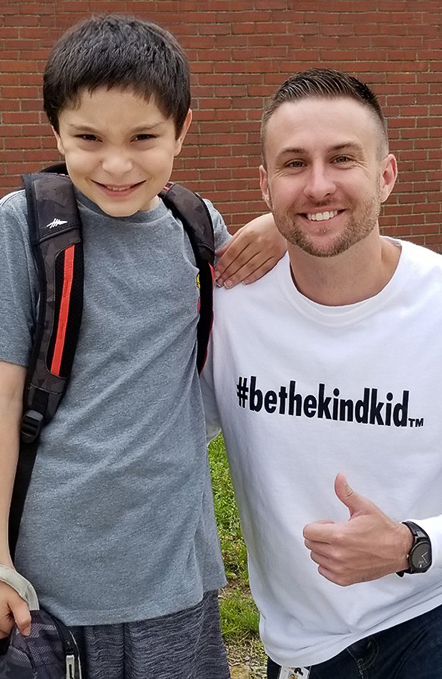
[{"x": 250, "y": 253}]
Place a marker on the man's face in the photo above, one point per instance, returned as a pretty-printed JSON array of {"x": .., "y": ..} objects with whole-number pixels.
[
  {"x": 325, "y": 175},
  {"x": 119, "y": 149}
]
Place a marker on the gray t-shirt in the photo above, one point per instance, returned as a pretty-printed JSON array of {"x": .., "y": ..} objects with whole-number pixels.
[{"x": 118, "y": 525}]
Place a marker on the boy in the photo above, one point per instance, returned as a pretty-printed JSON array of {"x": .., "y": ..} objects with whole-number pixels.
[{"x": 118, "y": 533}]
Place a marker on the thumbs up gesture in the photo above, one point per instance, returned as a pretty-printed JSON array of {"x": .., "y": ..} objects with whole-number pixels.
[{"x": 366, "y": 547}]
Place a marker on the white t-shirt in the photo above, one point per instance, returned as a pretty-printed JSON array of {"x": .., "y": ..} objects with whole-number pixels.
[{"x": 304, "y": 391}]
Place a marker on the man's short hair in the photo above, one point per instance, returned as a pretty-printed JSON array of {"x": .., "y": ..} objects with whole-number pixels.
[
  {"x": 328, "y": 84},
  {"x": 117, "y": 51}
]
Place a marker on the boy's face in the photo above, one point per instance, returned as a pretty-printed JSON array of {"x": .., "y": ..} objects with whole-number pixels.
[{"x": 119, "y": 149}]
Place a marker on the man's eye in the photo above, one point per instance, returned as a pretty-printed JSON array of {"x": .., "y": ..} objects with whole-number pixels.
[
  {"x": 295, "y": 163},
  {"x": 342, "y": 159}
]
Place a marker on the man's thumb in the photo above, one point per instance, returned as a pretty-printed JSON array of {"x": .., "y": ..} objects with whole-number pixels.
[{"x": 349, "y": 497}]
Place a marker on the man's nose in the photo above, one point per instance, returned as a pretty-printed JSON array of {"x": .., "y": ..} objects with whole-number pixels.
[{"x": 319, "y": 183}]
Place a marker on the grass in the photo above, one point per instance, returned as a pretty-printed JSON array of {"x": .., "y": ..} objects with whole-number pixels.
[{"x": 239, "y": 616}]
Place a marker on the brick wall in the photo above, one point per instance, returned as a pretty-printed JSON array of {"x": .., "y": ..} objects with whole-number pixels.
[{"x": 240, "y": 51}]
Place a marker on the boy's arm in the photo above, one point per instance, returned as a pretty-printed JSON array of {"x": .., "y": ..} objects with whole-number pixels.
[
  {"x": 12, "y": 378},
  {"x": 251, "y": 253}
]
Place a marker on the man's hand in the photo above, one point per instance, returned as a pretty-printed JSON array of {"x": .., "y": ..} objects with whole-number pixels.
[
  {"x": 250, "y": 253},
  {"x": 366, "y": 547},
  {"x": 13, "y": 609}
]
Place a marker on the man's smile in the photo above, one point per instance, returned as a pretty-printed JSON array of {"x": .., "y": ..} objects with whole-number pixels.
[{"x": 322, "y": 216}]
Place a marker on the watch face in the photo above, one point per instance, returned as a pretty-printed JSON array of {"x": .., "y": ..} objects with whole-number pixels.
[{"x": 421, "y": 556}]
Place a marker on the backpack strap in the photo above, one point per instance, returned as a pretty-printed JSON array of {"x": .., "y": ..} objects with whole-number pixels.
[
  {"x": 55, "y": 237},
  {"x": 192, "y": 211},
  {"x": 22, "y": 586},
  {"x": 56, "y": 241}
]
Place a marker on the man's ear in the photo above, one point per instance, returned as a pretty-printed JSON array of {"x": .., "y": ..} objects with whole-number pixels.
[
  {"x": 388, "y": 176},
  {"x": 182, "y": 135},
  {"x": 263, "y": 181},
  {"x": 59, "y": 142}
]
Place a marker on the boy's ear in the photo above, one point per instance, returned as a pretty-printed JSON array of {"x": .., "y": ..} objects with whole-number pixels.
[
  {"x": 59, "y": 142},
  {"x": 182, "y": 135}
]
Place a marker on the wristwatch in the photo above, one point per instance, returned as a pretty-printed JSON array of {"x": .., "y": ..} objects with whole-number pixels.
[{"x": 419, "y": 557}]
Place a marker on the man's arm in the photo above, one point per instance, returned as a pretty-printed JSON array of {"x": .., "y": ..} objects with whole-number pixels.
[
  {"x": 250, "y": 253},
  {"x": 12, "y": 378}
]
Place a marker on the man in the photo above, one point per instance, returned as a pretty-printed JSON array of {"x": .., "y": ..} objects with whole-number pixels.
[{"x": 328, "y": 368}]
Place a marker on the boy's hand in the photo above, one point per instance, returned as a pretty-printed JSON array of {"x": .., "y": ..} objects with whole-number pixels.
[
  {"x": 13, "y": 609},
  {"x": 250, "y": 253}
]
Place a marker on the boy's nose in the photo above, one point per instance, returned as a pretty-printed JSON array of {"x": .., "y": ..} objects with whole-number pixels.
[{"x": 116, "y": 164}]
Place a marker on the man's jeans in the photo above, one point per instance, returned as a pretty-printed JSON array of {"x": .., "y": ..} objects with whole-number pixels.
[{"x": 412, "y": 650}]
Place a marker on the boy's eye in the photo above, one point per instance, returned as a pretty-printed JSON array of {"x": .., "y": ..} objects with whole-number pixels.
[
  {"x": 87, "y": 137},
  {"x": 144, "y": 137}
]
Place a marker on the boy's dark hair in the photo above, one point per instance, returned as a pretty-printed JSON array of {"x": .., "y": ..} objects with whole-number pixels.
[
  {"x": 328, "y": 84},
  {"x": 118, "y": 51}
]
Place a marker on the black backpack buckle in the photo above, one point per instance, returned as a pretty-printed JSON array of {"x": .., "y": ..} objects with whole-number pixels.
[{"x": 31, "y": 425}]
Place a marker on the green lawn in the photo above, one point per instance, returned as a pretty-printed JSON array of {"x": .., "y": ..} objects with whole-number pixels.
[{"x": 239, "y": 616}]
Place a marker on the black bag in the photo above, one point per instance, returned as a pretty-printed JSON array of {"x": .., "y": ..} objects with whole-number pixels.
[{"x": 49, "y": 652}]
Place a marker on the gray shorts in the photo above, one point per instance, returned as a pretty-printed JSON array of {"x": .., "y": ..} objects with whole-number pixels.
[{"x": 183, "y": 645}]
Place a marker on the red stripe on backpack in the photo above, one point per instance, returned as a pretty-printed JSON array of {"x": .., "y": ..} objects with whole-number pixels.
[{"x": 69, "y": 256}]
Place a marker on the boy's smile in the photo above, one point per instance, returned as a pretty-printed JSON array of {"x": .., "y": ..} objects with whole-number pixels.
[{"x": 119, "y": 149}]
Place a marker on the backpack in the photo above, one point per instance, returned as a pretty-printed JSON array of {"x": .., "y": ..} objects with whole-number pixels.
[
  {"x": 49, "y": 652},
  {"x": 56, "y": 241}
]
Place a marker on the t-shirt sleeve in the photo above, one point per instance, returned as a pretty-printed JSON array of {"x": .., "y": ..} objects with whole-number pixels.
[
  {"x": 18, "y": 282},
  {"x": 219, "y": 228},
  {"x": 209, "y": 400}
]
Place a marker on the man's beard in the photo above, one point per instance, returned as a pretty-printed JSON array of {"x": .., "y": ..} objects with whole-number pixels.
[{"x": 360, "y": 223}]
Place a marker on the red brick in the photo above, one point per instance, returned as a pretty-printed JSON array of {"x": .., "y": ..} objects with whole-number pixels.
[
  {"x": 20, "y": 92},
  {"x": 35, "y": 8},
  {"x": 9, "y": 79},
  {"x": 16, "y": 66}
]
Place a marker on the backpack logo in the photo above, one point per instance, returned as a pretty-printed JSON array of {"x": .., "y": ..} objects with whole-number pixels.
[{"x": 55, "y": 222}]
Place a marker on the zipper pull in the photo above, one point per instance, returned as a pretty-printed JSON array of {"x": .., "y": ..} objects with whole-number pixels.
[{"x": 70, "y": 667}]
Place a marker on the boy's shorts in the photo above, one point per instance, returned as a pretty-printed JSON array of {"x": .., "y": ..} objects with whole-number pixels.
[{"x": 183, "y": 645}]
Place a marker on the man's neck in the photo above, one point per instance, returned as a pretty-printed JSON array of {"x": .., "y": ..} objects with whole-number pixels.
[{"x": 357, "y": 274}]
